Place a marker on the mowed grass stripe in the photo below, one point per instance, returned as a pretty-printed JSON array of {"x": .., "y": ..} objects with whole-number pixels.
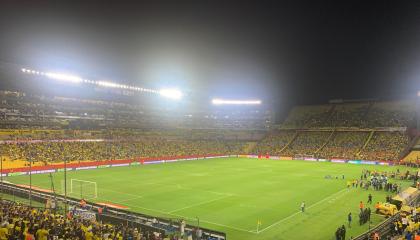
[{"x": 232, "y": 194}]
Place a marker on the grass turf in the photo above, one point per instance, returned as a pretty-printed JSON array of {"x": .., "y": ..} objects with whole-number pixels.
[{"x": 232, "y": 194}]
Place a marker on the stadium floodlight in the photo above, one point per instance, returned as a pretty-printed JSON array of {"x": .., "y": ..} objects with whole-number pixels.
[
  {"x": 418, "y": 94},
  {"x": 218, "y": 101},
  {"x": 168, "y": 93},
  {"x": 171, "y": 93},
  {"x": 107, "y": 84},
  {"x": 64, "y": 77}
]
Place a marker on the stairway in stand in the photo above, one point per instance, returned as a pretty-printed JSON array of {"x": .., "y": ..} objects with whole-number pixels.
[
  {"x": 249, "y": 147},
  {"x": 366, "y": 143},
  {"x": 290, "y": 142}
]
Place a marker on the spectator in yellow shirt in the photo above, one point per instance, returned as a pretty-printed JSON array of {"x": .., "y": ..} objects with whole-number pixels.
[
  {"x": 4, "y": 232},
  {"x": 42, "y": 233}
]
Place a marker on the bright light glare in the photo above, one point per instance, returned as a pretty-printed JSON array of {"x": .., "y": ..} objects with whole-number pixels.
[
  {"x": 171, "y": 93},
  {"x": 418, "y": 94},
  {"x": 218, "y": 101},
  {"x": 108, "y": 84},
  {"x": 64, "y": 77}
]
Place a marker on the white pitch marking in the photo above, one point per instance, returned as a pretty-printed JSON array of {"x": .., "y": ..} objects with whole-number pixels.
[
  {"x": 129, "y": 194},
  {"x": 296, "y": 213},
  {"x": 130, "y": 199},
  {"x": 198, "y": 204}
]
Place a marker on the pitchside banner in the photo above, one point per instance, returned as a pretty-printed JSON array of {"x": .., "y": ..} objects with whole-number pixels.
[
  {"x": 338, "y": 160},
  {"x": 83, "y": 213}
]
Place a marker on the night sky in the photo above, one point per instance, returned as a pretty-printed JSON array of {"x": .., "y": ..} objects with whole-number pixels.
[{"x": 284, "y": 52}]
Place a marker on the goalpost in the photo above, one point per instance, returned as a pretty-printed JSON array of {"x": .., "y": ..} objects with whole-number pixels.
[{"x": 81, "y": 189}]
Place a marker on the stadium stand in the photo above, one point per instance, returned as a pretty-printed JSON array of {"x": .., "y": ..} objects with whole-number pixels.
[
  {"x": 45, "y": 129},
  {"x": 344, "y": 145},
  {"x": 22, "y": 110},
  {"x": 366, "y": 130},
  {"x": 364, "y": 145},
  {"x": 385, "y": 146},
  {"x": 370, "y": 114},
  {"x": 413, "y": 155},
  {"x": 306, "y": 143},
  {"x": 125, "y": 131},
  {"x": 392, "y": 114},
  {"x": 307, "y": 116},
  {"x": 50, "y": 152},
  {"x": 275, "y": 142}
]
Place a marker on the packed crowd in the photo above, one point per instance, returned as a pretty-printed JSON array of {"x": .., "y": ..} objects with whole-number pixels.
[
  {"x": 306, "y": 143},
  {"x": 307, "y": 116},
  {"x": 347, "y": 115},
  {"x": 385, "y": 146},
  {"x": 274, "y": 142},
  {"x": 344, "y": 145},
  {"x": 406, "y": 226},
  {"x": 360, "y": 115},
  {"x": 340, "y": 144},
  {"x": 130, "y": 134},
  {"x": 110, "y": 150},
  {"x": 18, "y": 222}
]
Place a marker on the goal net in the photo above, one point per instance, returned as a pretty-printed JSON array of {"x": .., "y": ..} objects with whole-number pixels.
[{"x": 81, "y": 189}]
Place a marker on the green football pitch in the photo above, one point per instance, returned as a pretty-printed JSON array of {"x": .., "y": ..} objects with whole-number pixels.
[{"x": 233, "y": 194}]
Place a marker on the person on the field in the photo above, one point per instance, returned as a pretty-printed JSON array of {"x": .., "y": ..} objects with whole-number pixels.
[
  {"x": 302, "y": 206},
  {"x": 368, "y": 213},
  {"x": 361, "y": 218},
  {"x": 349, "y": 218},
  {"x": 343, "y": 232},
  {"x": 361, "y": 206},
  {"x": 337, "y": 234},
  {"x": 369, "y": 199}
]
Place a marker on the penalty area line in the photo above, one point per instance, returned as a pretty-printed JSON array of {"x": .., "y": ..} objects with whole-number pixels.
[{"x": 296, "y": 213}]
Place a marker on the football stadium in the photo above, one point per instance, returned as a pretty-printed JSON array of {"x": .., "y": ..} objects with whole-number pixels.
[{"x": 105, "y": 134}]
